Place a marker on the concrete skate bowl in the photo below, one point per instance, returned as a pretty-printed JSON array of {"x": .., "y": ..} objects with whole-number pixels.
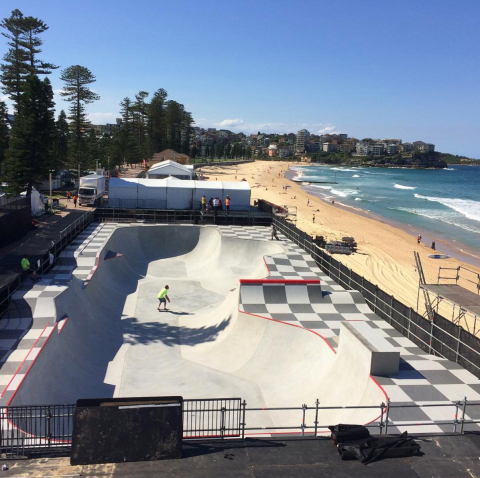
[{"x": 116, "y": 343}]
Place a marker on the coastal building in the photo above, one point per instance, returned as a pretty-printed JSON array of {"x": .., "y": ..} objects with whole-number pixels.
[
  {"x": 363, "y": 148},
  {"x": 272, "y": 150},
  {"x": 422, "y": 147},
  {"x": 170, "y": 155},
  {"x": 284, "y": 152},
  {"x": 302, "y": 137},
  {"x": 378, "y": 149},
  {"x": 407, "y": 147},
  {"x": 392, "y": 141},
  {"x": 392, "y": 148},
  {"x": 330, "y": 147}
]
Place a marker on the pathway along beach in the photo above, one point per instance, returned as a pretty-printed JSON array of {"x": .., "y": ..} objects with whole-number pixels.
[{"x": 385, "y": 253}]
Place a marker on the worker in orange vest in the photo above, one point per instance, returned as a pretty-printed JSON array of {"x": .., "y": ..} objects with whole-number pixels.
[{"x": 227, "y": 204}]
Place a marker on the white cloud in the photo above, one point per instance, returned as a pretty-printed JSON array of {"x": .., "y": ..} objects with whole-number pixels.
[
  {"x": 102, "y": 118},
  {"x": 230, "y": 123},
  {"x": 327, "y": 130}
]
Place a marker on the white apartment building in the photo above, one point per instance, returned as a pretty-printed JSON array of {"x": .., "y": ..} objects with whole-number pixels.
[{"x": 302, "y": 137}]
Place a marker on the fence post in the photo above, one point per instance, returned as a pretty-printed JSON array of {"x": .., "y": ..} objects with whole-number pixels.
[
  {"x": 48, "y": 431},
  {"x": 304, "y": 411},
  {"x": 382, "y": 409},
  {"x": 458, "y": 344},
  {"x": 317, "y": 403},
  {"x": 409, "y": 322},
  {"x": 244, "y": 410},
  {"x": 386, "y": 416},
  {"x": 222, "y": 423},
  {"x": 463, "y": 414},
  {"x": 376, "y": 298},
  {"x": 455, "y": 418},
  {"x": 431, "y": 334}
]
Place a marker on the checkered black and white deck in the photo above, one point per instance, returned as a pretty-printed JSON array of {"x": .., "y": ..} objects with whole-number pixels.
[{"x": 422, "y": 378}]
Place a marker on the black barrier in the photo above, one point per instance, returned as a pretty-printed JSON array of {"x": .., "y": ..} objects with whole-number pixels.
[
  {"x": 441, "y": 337},
  {"x": 117, "y": 430},
  {"x": 15, "y": 220}
]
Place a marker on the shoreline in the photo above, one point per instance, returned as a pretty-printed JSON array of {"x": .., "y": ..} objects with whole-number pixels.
[
  {"x": 458, "y": 251},
  {"x": 385, "y": 251}
]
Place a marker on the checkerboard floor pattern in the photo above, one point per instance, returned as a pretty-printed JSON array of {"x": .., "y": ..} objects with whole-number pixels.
[
  {"x": 422, "y": 378},
  {"x": 30, "y": 317}
]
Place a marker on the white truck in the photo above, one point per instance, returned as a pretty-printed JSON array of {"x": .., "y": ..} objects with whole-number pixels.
[{"x": 91, "y": 188}]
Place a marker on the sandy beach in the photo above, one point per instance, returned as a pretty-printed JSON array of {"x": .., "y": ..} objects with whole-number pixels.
[{"x": 385, "y": 253}]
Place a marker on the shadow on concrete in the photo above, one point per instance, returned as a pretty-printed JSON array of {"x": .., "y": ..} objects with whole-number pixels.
[{"x": 173, "y": 335}]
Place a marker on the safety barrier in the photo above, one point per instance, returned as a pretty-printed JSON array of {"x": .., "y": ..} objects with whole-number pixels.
[
  {"x": 440, "y": 336},
  {"x": 47, "y": 429}
]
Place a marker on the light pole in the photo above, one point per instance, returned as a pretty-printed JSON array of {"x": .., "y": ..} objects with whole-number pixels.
[
  {"x": 96, "y": 168},
  {"x": 78, "y": 176},
  {"x": 50, "y": 179}
]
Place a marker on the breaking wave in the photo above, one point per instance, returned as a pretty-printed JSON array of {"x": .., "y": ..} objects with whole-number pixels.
[
  {"x": 466, "y": 207},
  {"x": 401, "y": 186}
]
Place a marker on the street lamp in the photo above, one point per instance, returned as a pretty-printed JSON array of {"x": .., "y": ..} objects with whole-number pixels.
[{"x": 50, "y": 181}]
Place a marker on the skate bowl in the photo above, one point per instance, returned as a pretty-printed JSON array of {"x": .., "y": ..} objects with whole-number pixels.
[{"x": 117, "y": 344}]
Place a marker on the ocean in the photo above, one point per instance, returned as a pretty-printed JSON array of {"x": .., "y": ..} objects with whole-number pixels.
[{"x": 441, "y": 205}]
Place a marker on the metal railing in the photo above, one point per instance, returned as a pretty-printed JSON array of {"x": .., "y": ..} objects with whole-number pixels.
[
  {"x": 440, "y": 336},
  {"x": 461, "y": 274},
  {"x": 47, "y": 429},
  {"x": 212, "y": 418},
  {"x": 187, "y": 216},
  {"x": 36, "y": 430},
  {"x": 44, "y": 264}
]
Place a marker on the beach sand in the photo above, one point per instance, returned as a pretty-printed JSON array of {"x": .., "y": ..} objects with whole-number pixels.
[{"x": 385, "y": 253}]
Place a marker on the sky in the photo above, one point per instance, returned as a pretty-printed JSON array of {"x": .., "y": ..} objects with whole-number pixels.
[{"x": 404, "y": 69}]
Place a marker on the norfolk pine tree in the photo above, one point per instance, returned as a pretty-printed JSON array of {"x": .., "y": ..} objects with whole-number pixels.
[
  {"x": 30, "y": 153},
  {"x": 21, "y": 59},
  {"x": 77, "y": 92}
]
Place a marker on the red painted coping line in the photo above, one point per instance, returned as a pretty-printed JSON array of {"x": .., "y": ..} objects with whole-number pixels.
[
  {"x": 19, "y": 385},
  {"x": 60, "y": 329},
  {"x": 281, "y": 281},
  {"x": 116, "y": 257},
  {"x": 94, "y": 269},
  {"x": 24, "y": 360}
]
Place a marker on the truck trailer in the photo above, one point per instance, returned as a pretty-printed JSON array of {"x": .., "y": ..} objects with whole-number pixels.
[{"x": 91, "y": 188}]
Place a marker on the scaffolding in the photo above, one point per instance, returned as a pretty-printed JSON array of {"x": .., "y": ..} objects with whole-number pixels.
[{"x": 455, "y": 290}]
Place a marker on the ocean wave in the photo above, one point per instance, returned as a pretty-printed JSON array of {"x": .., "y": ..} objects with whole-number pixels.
[
  {"x": 466, "y": 207},
  {"x": 401, "y": 186},
  {"x": 435, "y": 214},
  {"x": 358, "y": 199},
  {"x": 356, "y": 176},
  {"x": 449, "y": 169}
]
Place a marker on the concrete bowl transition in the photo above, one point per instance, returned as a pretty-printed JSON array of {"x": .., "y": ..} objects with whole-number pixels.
[{"x": 116, "y": 343}]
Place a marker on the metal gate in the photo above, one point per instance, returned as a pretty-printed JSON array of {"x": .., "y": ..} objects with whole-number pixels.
[{"x": 212, "y": 418}]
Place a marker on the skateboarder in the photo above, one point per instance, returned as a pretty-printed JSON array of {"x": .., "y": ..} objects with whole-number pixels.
[{"x": 163, "y": 297}]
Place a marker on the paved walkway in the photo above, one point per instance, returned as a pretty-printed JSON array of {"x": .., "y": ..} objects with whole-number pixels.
[{"x": 443, "y": 457}]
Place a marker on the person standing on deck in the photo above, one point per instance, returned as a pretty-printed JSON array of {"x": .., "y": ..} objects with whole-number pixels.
[{"x": 227, "y": 204}]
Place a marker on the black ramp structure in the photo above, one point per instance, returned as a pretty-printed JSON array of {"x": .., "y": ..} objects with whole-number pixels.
[{"x": 117, "y": 430}]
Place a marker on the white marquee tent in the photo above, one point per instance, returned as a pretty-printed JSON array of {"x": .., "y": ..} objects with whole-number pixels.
[{"x": 173, "y": 194}]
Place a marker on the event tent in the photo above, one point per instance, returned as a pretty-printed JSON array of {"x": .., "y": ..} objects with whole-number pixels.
[{"x": 173, "y": 194}]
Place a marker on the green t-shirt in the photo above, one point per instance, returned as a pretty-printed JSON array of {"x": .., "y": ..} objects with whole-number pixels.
[
  {"x": 25, "y": 264},
  {"x": 163, "y": 293}
]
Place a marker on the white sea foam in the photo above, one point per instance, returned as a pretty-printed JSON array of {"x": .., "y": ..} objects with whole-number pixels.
[
  {"x": 448, "y": 217},
  {"x": 356, "y": 176},
  {"x": 358, "y": 199},
  {"x": 401, "y": 186},
  {"x": 466, "y": 207},
  {"x": 449, "y": 169}
]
